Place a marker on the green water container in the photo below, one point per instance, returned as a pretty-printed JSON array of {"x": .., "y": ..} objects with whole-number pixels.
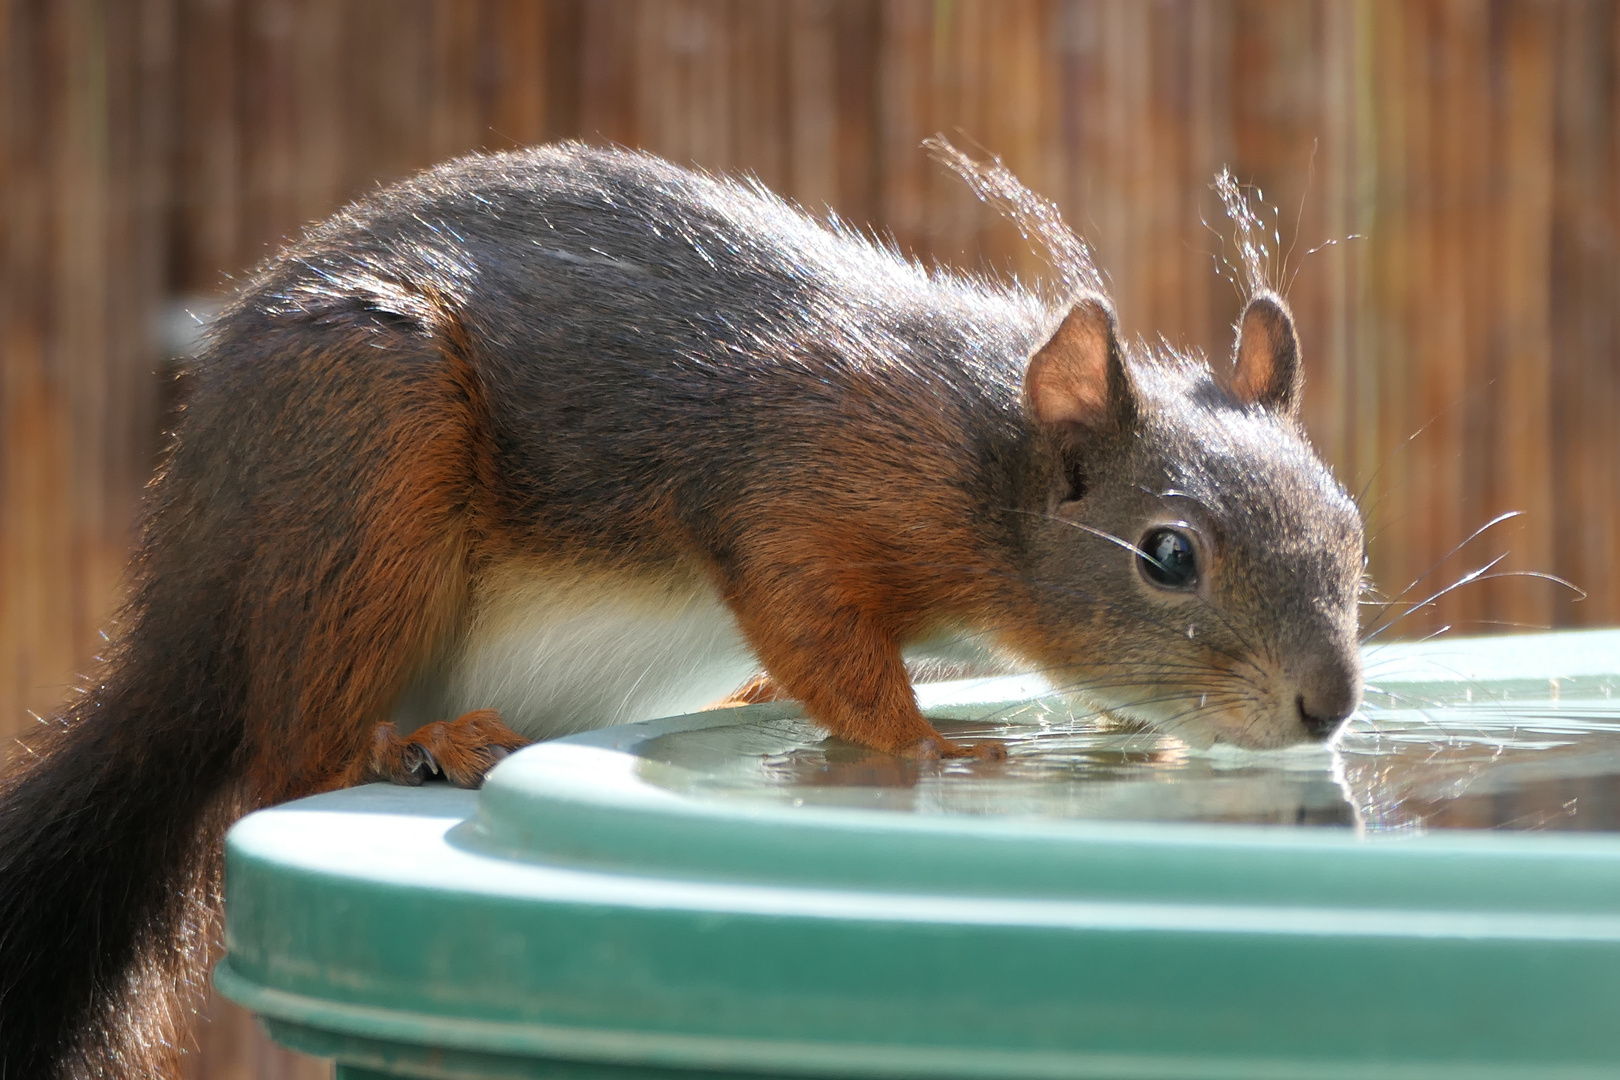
[{"x": 731, "y": 895}]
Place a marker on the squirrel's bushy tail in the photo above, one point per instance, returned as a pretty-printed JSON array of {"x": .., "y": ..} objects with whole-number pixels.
[
  {"x": 306, "y": 546},
  {"x": 108, "y": 872}
]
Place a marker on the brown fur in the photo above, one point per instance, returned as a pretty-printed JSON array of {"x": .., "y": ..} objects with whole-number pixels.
[{"x": 385, "y": 604}]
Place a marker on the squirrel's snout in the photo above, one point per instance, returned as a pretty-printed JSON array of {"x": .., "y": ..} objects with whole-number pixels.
[
  {"x": 1320, "y": 725},
  {"x": 1326, "y": 697}
]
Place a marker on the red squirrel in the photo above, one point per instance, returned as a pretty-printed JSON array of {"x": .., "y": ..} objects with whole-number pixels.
[{"x": 563, "y": 437}]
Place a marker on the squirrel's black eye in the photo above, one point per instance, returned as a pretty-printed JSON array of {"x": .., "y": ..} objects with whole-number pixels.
[{"x": 1167, "y": 559}]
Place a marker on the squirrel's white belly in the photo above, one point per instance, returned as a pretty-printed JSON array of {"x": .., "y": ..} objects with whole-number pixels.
[{"x": 560, "y": 654}]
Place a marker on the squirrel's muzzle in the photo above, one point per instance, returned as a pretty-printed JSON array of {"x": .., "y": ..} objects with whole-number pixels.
[{"x": 1326, "y": 692}]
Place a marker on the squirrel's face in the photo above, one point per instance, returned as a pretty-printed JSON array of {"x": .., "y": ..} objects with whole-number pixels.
[{"x": 1194, "y": 565}]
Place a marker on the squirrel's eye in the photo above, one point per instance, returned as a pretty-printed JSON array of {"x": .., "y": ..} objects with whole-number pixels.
[{"x": 1167, "y": 559}]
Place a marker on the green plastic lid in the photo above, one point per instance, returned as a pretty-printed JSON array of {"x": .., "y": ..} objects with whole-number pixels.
[{"x": 731, "y": 894}]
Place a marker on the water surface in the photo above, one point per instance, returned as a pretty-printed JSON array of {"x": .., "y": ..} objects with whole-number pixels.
[{"x": 1460, "y": 756}]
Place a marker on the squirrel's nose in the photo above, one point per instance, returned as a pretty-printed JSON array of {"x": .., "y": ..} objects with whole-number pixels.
[{"x": 1327, "y": 694}]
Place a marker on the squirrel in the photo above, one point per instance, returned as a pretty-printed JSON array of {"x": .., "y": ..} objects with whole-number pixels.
[{"x": 562, "y": 437}]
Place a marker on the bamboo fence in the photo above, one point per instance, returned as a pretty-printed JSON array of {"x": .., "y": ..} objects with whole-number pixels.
[{"x": 1442, "y": 176}]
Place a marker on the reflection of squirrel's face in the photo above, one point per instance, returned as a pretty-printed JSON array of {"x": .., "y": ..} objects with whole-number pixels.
[{"x": 1198, "y": 568}]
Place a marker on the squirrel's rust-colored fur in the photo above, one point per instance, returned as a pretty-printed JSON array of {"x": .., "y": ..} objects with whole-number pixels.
[{"x": 529, "y": 398}]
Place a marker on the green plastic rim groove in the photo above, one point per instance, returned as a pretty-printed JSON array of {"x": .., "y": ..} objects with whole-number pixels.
[{"x": 592, "y": 913}]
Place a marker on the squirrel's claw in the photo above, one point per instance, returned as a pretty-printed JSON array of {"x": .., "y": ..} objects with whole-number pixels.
[{"x": 418, "y": 766}]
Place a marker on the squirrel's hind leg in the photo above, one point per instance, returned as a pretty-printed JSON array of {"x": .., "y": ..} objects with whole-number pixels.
[
  {"x": 352, "y": 584},
  {"x": 461, "y": 750}
]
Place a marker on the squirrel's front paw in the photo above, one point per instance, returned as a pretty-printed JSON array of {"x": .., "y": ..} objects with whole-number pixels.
[
  {"x": 935, "y": 748},
  {"x": 988, "y": 750},
  {"x": 461, "y": 750}
]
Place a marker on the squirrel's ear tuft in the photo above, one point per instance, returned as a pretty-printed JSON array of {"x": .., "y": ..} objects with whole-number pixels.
[
  {"x": 1266, "y": 369},
  {"x": 1079, "y": 376}
]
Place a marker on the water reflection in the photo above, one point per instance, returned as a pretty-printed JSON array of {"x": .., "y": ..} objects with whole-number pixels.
[
  {"x": 1485, "y": 765},
  {"x": 1406, "y": 764}
]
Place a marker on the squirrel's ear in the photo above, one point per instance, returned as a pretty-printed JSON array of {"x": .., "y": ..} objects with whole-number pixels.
[
  {"x": 1266, "y": 369},
  {"x": 1079, "y": 376}
]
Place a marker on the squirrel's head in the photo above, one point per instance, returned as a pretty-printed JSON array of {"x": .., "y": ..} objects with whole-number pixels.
[{"x": 1195, "y": 565}]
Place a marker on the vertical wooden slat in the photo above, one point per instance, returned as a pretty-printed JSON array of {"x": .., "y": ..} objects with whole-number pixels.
[
  {"x": 1383, "y": 485},
  {"x": 1610, "y": 406},
  {"x": 759, "y": 46},
  {"x": 1523, "y": 380},
  {"x": 950, "y": 216},
  {"x": 1585, "y": 285},
  {"x": 1014, "y": 110},
  {"x": 35, "y": 624},
  {"x": 1365, "y": 356},
  {"x": 1451, "y": 395},
  {"x": 855, "y": 51},
  {"x": 607, "y": 77},
  {"x": 564, "y": 55},
  {"x": 513, "y": 38},
  {"x": 683, "y": 63},
  {"x": 1126, "y": 161},
  {"x": 812, "y": 109},
  {"x": 268, "y": 102},
  {"x": 976, "y": 38},
  {"x": 1405, "y": 524},
  {"x": 1207, "y": 138},
  {"x": 456, "y": 71},
  {"x": 904, "y": 50},
  {"x": 1078, "y": 126},
  {"x": 657, "y": 96},
  {"x": 143, "y": 138},
  {"x": 1329, "y": 392},
  {"x": 391, "y": 125},
  {"x": 1473, "y": 244},
  {"x": 1164, "y": 103},
  {"x": 319, "y": 104},
  {"x": 209, "y": 153},
  {"x": 77, "y": 312},
  {"x": 706, "y": 48}
]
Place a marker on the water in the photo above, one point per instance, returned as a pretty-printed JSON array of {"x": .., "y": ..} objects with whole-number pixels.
[{"x": 1407, "y": 762}]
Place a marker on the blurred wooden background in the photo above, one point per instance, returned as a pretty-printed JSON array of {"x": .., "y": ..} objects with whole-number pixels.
[{"x": 1457, "y": 158}]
